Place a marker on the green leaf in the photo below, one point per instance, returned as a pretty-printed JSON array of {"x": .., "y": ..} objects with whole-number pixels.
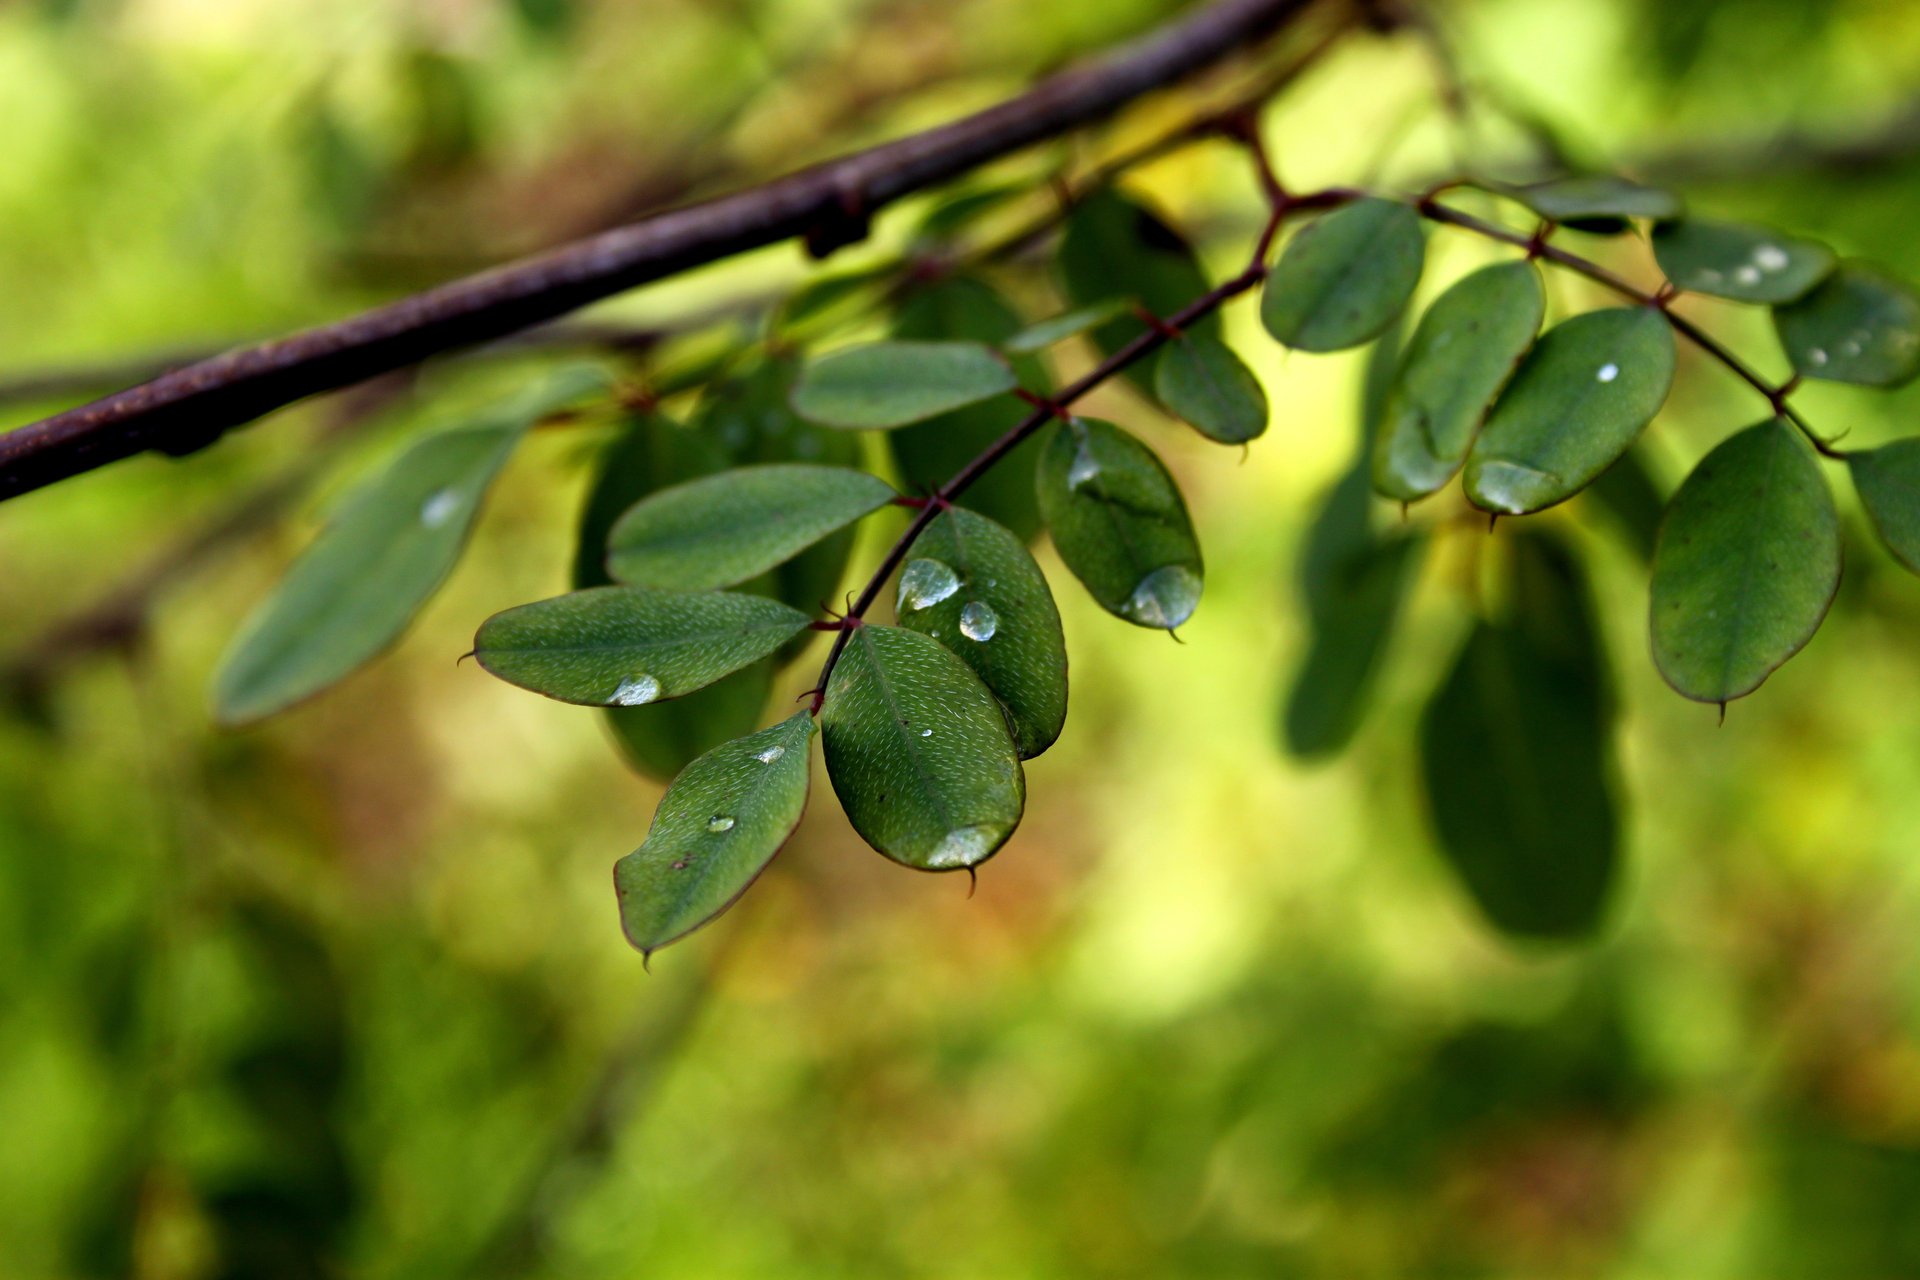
[
  {"x": 1111, "y": 243},
  {"x": 1746, "y": 565},
  {"x": 1345, "y": 276},
  {"x": 628, "y": 646},
  {"x": 720, "y": 530},
  {"x": 972, "y": 585},
  {"x": 1352, "y": 624},
  {"x": 382, "y": 555},
  {"x": 1071, "y": 324},
  {"x": 1581, "y": 397},
  {"x": 1740, "y": 261},
  {"x": 1340, "y": 533},
  {"x": 1200, "y": 379},
  {"x": 1515, "y": 757},
  {"x": 890, "y": 384},
  {"x": 1860, "y": 327},
  {"x": 1888, "y": 482},
  {"x": 1119, "y": 523},
  {"x": 930, "y": 453},
  {"x": 1597, "y": 202},
  {"x": 718, "y": 826},
  {"x": 661, "y": 738},
  {"x": 919, "y": 752},
  {"x": 1467, "y": 346},
  {"x": 1377, "y": 376},
  {"x": 1628, "y": 492}
]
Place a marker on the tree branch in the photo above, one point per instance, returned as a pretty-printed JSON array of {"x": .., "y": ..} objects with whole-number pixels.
[{"x": 830, "y": 204}]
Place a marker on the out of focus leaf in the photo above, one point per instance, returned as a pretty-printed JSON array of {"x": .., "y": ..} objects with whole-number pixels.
[
  {"x": 1597, "y": 202},
  {"x": 1738, "y": 261},
  {"x": 1114, "y": 244},
  {"x": 1200, "y": 379},
  {"x": 1859, "y": 326},
  {"x": 1888, "y": 482},
  {"x": 1345, "y": 276},
  {"x": 1628, "y": 492},
  {"x": 890, "y": 384},
  {"x": 1352, "y": 624},
  {"x": 1071, "y": 324}
]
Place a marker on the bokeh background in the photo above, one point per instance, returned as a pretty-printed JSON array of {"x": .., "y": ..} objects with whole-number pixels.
[{"x": 345, "y": 994}]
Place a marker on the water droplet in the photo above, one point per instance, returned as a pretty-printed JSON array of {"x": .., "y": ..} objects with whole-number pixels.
[
  {"x": 926, "y": 733},
  {"x": 439, "y": 508},
  {"x": 978, "y": 621},
  {"x": 1849, "y": 348},
  {"x": 1084, "y": 466},
  {"x": 1817, "y": 356},
  {"x": 962, "y": 847},
  {"x": 924, "y": 584},
  {"x": 1608, "y": 372},
  {"x": 719, "y": 822},
  {"x": 635, "y": 692},
  {"x": 771, "y": 754},
  {"x": 1771, "y": 257},
  {"x": 1165, "y": 598},
  {"x": 1747, "y": 275}
]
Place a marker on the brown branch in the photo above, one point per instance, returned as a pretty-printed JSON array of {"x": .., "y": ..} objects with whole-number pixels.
[{"x": 189, "y": 408}]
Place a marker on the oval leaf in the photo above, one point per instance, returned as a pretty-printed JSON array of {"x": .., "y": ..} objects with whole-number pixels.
[
  {"x": 1514, "y": 755},
  {"x": 889, "y": 384},
  {"x": 919, "y": 752},
  {"x": 1739, "y": 261},
  {"x": 718, "y": 826},
  {"x": 721, "y": 530},
  {"x": 1201, "y": 380},
  {"x": 1353, "y": 621},
  {"x": 1580, "y": 399},
  {"x": 628, "y": 646},
  {"x": 1597, "y": 202},
  {"x": 1466, "y": 348},
  {"x": 1747, "y": 562},
  {"x": 1345, "y": 277},
  {"x": 1859, "y": 327},
  {"x": 973, "y": 586},
  {"x": 1888, "y": 482},
  {"x": 1119, "y": 523}
]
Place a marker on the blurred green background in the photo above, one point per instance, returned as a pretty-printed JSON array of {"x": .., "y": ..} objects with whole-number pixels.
[{"x": 345, "y": 994}]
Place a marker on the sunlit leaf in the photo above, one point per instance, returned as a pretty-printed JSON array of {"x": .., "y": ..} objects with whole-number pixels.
[
  {"x": 1070, "y": 324},
  {"x": 919, "y": 751},
  {"x": 1465, "y": 349},
  {"x": 1515, "y": 756},
  {"x": 1746, "y": 565},
  {"x": 718, "y": 826},
  {"x": 724, "y": 529},
  {"x": 382, "y": 555},
  {"x": 890, "y": 384},
  {"x": 1859, "y": 326},
  {"x": 1119, "y": 523},
  {"x": 1345, "y": 276},
  {"x": 972, "y": 585},
  {"x": 1597, "y": 202},
  {"x": 1581, "y": 397},
  {"x": 1352, "y": 623},
  {"x": 1888, "y": 482},
  {"x": 1200, "y": 379},
  {"x": 628, "y": 646},
  {"x": 1738, "y": 261}
]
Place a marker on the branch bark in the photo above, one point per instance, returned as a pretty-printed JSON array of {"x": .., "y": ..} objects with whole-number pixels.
[{"x": 830, "y": 204}]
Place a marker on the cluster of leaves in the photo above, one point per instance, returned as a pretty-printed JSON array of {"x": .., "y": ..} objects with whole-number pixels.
[{"x": 704, "y": 549}]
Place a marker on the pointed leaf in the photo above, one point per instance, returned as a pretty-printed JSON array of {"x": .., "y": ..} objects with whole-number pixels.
[
  {"x": 1597, "y": 202},
  {"x": 628, "y": 646},
  {"x": 382, "y": 555},
  {"x": 723, "y": 529},
  {"x": 1888, "y": 482},
  {"x": 1119, "y": 523},
  {"x": 1071, "y": 324},
  {"x": 1345, "y": 276},
  {"x": 1746, "y": 565},
  {"x": 1581, "y": 397},
  {"x": 718, "y": 826},
  {"x": 919, "y": 752},
  {"x": 1201, "y": 380},
  {"x": 1515, "y": 757},
  {"x": 1740, "y": 261},
  {"x": 889, "y": 384},
  {"x": 1352, "y": 625},
  {"x": 973, "y": 586},
  {"x": 1859, "y": 326},
  {"x": 1467, "y": 346}
]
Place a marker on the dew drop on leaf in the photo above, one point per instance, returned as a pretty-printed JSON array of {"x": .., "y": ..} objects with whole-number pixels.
[
  {"x": 926, "y": 583},
  {"x": 962, "y": 847},
  {"x": 771, "y": 754},
  {"x": 636, "y": 691},
  {"x": 1608, "y": 372},
  {"x": 1165, "y": 598},
  {"x": 439, "y": 508},
  {"x": 1085, "y": 467},
  {"x": 978, "y": 621},
  {"x": 719, "y": 822}
]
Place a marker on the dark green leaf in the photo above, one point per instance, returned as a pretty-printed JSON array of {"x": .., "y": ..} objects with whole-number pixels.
[
  {"x": 718, "y": 826},
  {"x": 972, "y": 585},
  {"x": 382, "y": 556},
  {"x": 1581, "y": 397},
  {"x": 1352, "y": 624},
  {"x": 1747, "y": 563},
  {"x": 1114, "y": 245},
  {"x": 1119, "y": 523},
  {"x": 1738, "y": 261},
  {"x": 1628, "y": 492},
  {"x": 1468, "y": 344},
  {"x": 724, "y": 529},
  {"x": 1888, "y": 482},
  {"x": 662, "y": 738},
  {"x": 1376, "y": 381},
  {"x": 1340, "y": 534},
  {"x": 1040, "y": 336},
  {"x": 1200, "y": 379},
  {"x": 628, "y": 646},
  {"x": 919, "y": 752},
  {"x": 1515, "y": 757},
  {"x": 1859, "y": 326},
  {"x": 890, "y": 384},
  {"x": 1597, "y": 202},
  {"x": 1345, "y": 276}
]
